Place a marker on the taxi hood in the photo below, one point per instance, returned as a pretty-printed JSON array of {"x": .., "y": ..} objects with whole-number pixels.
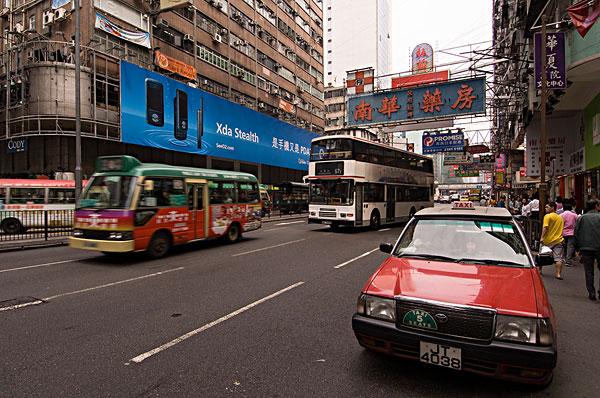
[{"x": 509, "y": 290}]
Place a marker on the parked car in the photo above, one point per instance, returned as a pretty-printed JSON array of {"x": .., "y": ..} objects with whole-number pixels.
[{"x": 461, "y": 290}]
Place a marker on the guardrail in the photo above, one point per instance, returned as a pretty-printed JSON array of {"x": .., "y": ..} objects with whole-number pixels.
[
  {"x": 532, "y": 230},
  {"x": 16, "y": 225}
]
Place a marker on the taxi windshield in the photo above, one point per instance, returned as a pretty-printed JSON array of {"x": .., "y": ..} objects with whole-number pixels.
[{"x": 465, "y": 241}]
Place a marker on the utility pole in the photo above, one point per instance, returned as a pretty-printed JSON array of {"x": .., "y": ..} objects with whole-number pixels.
[
  {"x": 544, "y": 78},
  {"x": 78, "y": 176}
]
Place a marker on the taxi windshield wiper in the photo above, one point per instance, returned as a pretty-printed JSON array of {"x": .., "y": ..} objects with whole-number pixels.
[
  {"x": 489, "y": 262},
  {"x": 428, "y": 257}
]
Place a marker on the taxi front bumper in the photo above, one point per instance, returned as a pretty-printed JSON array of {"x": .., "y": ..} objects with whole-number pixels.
[
  {"x": 504, "y": 360},
  {"x": 102, "y": 245}
]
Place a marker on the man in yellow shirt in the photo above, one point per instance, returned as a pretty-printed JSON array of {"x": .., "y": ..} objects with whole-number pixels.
[{"x": 552, "y": 236}]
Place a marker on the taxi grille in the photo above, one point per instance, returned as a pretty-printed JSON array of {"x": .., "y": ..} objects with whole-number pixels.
[{"x": 461, "y": 322}]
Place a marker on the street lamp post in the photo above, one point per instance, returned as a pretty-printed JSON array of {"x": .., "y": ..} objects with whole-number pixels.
[{"x": 78, "y": 176}]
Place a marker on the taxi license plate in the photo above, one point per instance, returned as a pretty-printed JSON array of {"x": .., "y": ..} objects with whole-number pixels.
[
  {"x": 441, "y": 355},
  {"x": 90, "y": 244}
]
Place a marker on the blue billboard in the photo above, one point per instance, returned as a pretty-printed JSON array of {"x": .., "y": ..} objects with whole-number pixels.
[
  {"x": 448, "y": 99},
  {"x": 443, "y": 142},
  {"x": 160, "y": 112}
]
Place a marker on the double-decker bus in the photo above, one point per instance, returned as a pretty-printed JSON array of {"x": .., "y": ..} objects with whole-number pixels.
[
  {"x": 23, "y": 202},
  {"x": 357, "y": 182},
  {"x": 131, "y": 206}
]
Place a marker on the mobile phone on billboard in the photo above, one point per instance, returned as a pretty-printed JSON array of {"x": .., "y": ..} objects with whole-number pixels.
[
  {"x": 155, "y": 106},
  {"x": 200, "y": 123},
  {"x": 181, "y": 115}
]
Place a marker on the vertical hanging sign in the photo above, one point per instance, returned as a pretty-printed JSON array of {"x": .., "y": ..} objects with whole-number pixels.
[
  {"x": 555, "y": 61},
  {"x": 422, "y": 58}
]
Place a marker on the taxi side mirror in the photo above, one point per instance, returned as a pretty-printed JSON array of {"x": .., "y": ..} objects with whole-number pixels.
[
  {"x": 542, "y": 260},
  {"x": 386, "y": 247}
]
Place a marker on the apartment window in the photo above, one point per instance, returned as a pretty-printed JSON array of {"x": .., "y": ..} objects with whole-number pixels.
[{"x": 32, "y": 22}]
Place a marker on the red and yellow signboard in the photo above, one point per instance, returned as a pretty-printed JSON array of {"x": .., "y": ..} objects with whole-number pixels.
[
  {"x": 419, "y": 79},
  {"x": 173, "y": 65}
]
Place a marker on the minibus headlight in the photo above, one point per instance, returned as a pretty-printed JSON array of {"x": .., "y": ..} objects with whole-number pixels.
[
  {"x": 122, "y": 235},
  {"x": 77, "y": 233}
]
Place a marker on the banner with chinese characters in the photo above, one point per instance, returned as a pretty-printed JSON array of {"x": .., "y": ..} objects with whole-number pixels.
[
  {"x": 556, "y": 73},
  {"x": 456, "y": 98},
  {"x": 139, "y": 38},
  {"x": 174, "y": 65},
  {"x": 419, "y": 79},
  {"x": 422, "y": 58},
  {"x": 443, "y": 142}
]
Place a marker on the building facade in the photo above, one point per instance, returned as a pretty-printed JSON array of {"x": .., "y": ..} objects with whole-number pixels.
[
  {"x": 572, "y": 157},
  {"x": 358, "y": 34},
  {"x": 264, "y": 55}
]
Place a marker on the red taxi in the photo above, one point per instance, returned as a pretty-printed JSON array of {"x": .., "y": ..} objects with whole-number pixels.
[{"x": 461, "y": 290}]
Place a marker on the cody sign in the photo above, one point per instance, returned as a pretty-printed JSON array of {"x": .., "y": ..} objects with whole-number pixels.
[{"x": 16, "y": 145}]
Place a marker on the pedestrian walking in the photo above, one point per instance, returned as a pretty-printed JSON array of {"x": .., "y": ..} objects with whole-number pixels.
[
  {"x": 587, "y": 241},
  {"x": 559, "y": 205},
  {"x": 501, "y": 202},
  {"x": 552, "y": 230},
  {"x": 482, "y": 202},
  {"x": 570, "y": 219},
  {"x": 533, "y": 209}
]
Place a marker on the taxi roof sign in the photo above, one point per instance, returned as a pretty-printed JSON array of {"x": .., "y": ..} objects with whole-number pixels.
[{"x": 463, "y": 205}]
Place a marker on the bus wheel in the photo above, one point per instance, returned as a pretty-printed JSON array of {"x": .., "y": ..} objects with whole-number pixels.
[
  {"x": 233, "y": 233},
  {"x": 375, "y": 220},
  {"x": 411, "y": 213},
  {"x": 159, "y": 246},
  {"x": 12, "y": 226}
]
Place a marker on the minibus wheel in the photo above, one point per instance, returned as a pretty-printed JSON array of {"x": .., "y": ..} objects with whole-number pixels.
[
  {"x": 233, "y": 233},
  {"x": 159, "y": 245}
]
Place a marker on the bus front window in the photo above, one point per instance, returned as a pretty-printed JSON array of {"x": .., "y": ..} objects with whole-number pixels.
[
  {"x": 336, "y": 192},
  {"x": 108, "y": 192}
]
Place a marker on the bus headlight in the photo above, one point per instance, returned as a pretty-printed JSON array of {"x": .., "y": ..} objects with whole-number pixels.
[{"x": 377, "y": 307}]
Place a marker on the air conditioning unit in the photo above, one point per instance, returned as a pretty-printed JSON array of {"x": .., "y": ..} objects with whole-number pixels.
[
  {"x": 19, "y": 28},
  {"x": 223, "y": 31},
  {"x": 60, "y": 14},
  {"x": 299, "y": 89},
  {"x": 274, "y": 91},
  {"x": 48, "y": 18},
  {"x": 239, "y": 73},
  {"x": 188, "y": 37},
  {"x": 261, "y": 105},
  {"x": 217, "y": 38},
  {"x": 236, "y": 16},
  {"x": 277, "y": 65},
  {"x": 204, "y": 81},
  {"x": 163, "y": 23}
]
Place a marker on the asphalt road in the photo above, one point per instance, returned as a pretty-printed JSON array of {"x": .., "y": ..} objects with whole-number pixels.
[{"x": 269, "y": 316}]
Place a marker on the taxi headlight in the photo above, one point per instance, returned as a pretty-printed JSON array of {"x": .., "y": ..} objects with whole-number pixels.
[
  {"x": 377, "y": 307},
  {"x": 524, "y": 330}
]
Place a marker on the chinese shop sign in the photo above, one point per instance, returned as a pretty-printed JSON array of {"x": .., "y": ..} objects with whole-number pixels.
[
  {"x": 422, "y": 58},
  {"x": 443, "y": 142},
  {"x": 555, "y": 61},
  {"x": 464, "y": 97}
]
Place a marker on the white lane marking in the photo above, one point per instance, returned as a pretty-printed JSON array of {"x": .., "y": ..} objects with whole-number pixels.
[
  {"x": 267, "y": 248},
  {"x": 89, "y": 289},
  {"x": 385, "y": 229},
  {"x": 355, "y": 258},
  {"x": 40, "y": 265},
  {"x": 14, "y": 307},
  {"x": 291, "y": 222},
  {"x": 194, "y": 332},
  {"x": 273, "y": 229}
]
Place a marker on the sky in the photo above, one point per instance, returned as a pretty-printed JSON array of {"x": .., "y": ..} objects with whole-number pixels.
[
  {"x": 444, "y": 24},
  {"x": 441, "y": 23}
]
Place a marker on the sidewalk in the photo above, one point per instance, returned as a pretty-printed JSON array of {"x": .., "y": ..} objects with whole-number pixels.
[{"x": 23, "y": 244}]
